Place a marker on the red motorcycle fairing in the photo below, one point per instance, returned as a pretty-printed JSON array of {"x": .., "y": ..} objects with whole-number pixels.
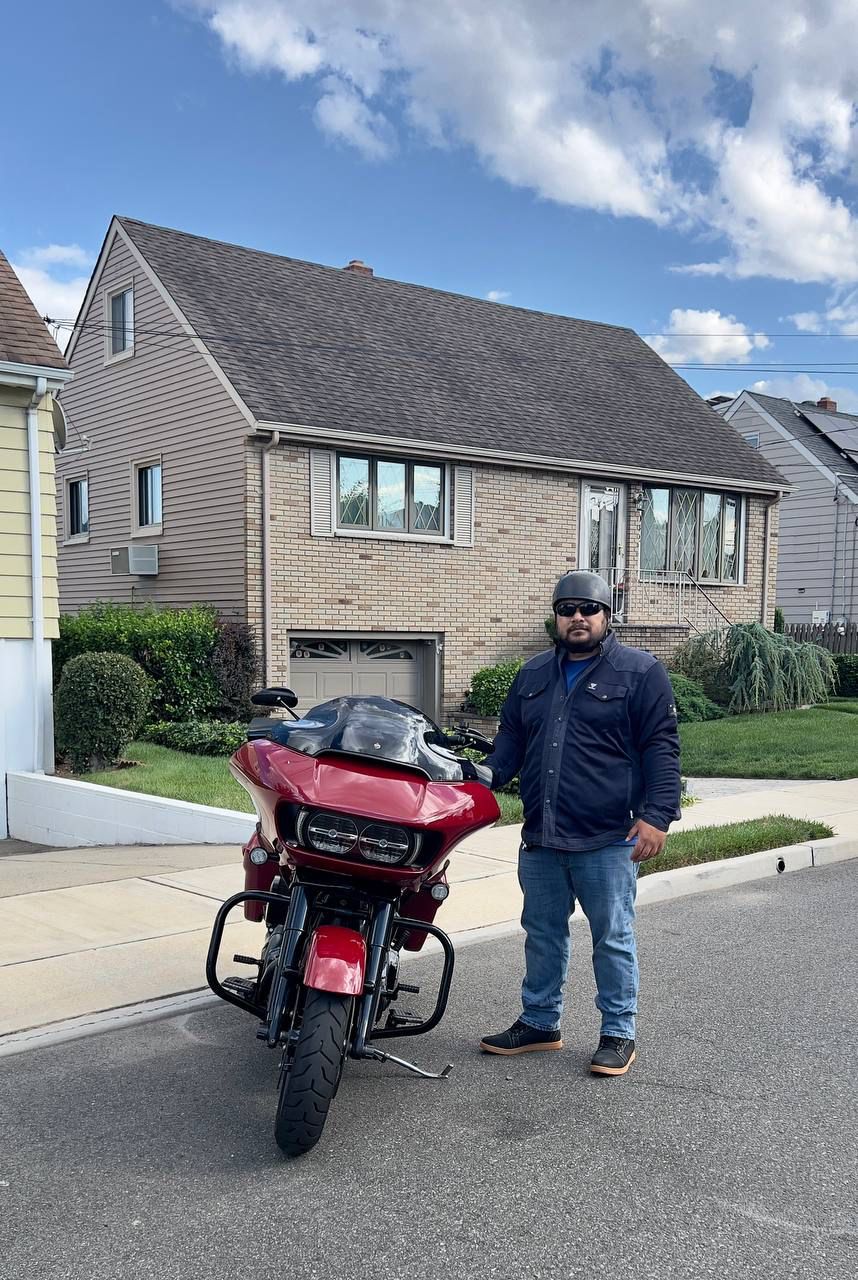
[
  {"x": 351, "y": 785},
  {"x": 256, "y": 876},
  {"x": 336, "y": 961}
]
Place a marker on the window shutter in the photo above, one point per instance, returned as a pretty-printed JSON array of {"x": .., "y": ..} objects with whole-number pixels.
[
  {"x": 323, "y": 471},
  {"x": 463, "y": 506}
]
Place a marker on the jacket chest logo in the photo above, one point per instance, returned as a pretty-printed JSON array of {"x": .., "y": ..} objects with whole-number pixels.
[{"x": 592, "y": 685}]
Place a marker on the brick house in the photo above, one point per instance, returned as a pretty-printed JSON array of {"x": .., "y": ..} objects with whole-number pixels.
[{"x": 386, "y": 479}]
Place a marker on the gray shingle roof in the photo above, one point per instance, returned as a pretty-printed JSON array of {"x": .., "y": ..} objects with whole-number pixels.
[
  {"x": 321, "y": 347},
  {"x": 24, "y": 339},
  {"x": 801, "y": 421}
]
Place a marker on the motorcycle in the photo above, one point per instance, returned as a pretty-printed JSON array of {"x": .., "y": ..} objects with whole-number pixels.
[{"x": 360, "y": 802}]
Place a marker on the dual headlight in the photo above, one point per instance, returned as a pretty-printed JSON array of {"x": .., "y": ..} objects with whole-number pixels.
[{"x": 344, "y": 837}]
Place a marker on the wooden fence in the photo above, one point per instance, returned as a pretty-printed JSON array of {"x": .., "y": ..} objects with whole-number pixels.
[{"x": 827, "y": 635}]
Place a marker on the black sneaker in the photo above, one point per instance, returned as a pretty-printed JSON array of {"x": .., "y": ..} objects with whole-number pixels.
[
  {"x": 521, "y": 1039},
  {"x": 613, "y": 1057}
]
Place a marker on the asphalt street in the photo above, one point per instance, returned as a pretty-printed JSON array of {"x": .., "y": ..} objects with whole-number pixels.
[{"x": 729, "y": 1150}]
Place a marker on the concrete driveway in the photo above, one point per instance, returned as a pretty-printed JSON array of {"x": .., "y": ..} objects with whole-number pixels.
[{"x": 728, "y": 1151}]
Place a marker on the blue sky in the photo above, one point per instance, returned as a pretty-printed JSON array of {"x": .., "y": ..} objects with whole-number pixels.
[{"x": 655, "y": 170}]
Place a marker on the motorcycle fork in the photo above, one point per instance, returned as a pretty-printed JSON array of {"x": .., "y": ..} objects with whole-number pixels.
[{"x": 286, "y": 969}]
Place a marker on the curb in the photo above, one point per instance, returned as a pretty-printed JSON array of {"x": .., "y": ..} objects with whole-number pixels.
[{"x": 660, "y": 886}]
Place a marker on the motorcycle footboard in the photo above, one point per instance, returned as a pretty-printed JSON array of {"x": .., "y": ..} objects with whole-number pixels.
[
  {"x": 420, "y": 1028},
  {"x": 232, "y": 997}
]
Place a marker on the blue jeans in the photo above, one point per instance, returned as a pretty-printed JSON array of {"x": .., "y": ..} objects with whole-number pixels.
[{"x": 604, "y": 882}]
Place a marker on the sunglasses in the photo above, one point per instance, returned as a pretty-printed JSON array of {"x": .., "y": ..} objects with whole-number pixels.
[{"x": 568, "y": 608}]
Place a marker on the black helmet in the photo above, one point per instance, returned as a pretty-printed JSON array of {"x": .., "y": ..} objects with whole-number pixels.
[{"x": 583, "y": 585}]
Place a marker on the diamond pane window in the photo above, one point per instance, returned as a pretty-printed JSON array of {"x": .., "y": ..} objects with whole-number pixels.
[
  {"x": 427, "y": 499},
  {"x": 655, "y": 513},
  {"x": 390, "y": 495},
  {"x": 710, "y": 550},
  {"x": 683, "y": 534},
  {"x": 353, "y": 495}
]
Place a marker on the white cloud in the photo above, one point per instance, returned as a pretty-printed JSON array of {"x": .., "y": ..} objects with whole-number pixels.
[
  {"x": 706, "y": 337},
  {"x": 498, "y": 295},
  {"x": 745, "y": 134},
  {"x": 803, "y": 387},
  {"x": 67, "y": 255},
  {"x": 56, "y": 293},
  {"x": 840, "y": 316}
]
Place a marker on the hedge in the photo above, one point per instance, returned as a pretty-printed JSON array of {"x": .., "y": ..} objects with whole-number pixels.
[
  {"x": 490, "y": 685},
  {"x": 201, "y": 666},
  {"x": 101, "y": 702},
  {"x": 847, "y": 674},
  {"x": 199, "y": 737}
]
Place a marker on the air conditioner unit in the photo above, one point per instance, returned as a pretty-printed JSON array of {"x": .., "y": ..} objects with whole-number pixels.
[{"x": 141, "y": 560}]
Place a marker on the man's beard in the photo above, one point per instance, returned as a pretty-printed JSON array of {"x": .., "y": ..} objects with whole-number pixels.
[{"x": 581, "y": 644}]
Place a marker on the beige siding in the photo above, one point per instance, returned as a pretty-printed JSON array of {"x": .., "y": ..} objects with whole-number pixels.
[
  {"x": 163, "y": 400},
  {"x": 807, "y": 529},
  {"x": 16, "y": 599}
]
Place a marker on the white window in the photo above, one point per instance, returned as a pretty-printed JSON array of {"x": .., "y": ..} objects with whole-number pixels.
[
  {"x": 753, "y": 439},
  {"x": 389, "y": 495},
  {"x": 146, "y": 496},
  {"x": 119, "y": 323},
  {"x": 77, "y": 509},
  {"x": 357, "y": 495},
  {"x": 691, "y": 531}
]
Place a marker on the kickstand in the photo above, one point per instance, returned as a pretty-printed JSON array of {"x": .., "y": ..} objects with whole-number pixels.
[{"x": 391, "y": 1057}]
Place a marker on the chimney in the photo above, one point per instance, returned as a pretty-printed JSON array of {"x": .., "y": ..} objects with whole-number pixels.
[
  {"x": 358, "y": 268},
  {"x": 826, "y": 403}
]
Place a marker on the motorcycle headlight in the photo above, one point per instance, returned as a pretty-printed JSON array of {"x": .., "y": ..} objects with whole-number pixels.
[
  {"x": 380, "y": 843},
  {"x": 332, "y": 833},
  {"x": 374, "y": 841}
]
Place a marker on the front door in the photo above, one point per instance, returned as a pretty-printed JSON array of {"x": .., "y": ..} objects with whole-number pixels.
[{"x": 602, "y": 545}]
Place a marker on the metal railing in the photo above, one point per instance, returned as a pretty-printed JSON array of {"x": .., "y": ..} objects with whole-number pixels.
[{"x": 681, "y": 600}]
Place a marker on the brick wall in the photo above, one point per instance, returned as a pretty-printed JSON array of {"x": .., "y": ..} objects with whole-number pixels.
[{"x": 487, "y": 602}]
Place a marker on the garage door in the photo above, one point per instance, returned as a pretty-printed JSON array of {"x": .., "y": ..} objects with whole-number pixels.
[{"x": 323, "y": 667}]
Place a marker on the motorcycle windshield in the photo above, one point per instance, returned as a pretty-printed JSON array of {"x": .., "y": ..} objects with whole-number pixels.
[{"x": 375, "y": 729}]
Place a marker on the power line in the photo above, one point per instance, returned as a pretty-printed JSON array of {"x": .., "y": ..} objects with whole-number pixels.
[{"x": 831, "y": 368}]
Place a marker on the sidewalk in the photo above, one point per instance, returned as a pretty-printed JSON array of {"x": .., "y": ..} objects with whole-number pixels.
[{"x": 86, "y": 930}]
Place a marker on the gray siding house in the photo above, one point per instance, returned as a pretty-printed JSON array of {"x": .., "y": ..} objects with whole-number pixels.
[
  {"x": 815, "y": 448},
  {"x": 385, "y": 480}
]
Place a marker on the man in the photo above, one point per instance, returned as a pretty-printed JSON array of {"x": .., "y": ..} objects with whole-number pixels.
[{"x": 591, "y": 727}]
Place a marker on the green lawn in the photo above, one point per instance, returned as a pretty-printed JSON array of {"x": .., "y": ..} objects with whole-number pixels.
[
  {"x": 710, "y": 844},
  {"x": 176, "y": 775},
  {"x": 819, "y": 743}
]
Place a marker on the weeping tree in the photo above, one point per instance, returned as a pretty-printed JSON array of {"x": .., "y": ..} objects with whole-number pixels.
[
  {"x": 769, "y": 671},
  {"x": 747, "y": 668}
]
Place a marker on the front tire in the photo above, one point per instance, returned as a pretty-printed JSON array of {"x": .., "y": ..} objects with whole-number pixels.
[{"x": 308, "y": 1086}]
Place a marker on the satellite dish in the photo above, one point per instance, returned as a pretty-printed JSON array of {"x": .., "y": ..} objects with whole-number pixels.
[{"x": 61, "y": 425}]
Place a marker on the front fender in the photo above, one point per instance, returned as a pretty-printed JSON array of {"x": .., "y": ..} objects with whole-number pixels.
[{"x": 336, "y": 960}]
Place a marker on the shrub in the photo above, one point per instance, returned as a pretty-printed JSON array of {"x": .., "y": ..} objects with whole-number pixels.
[
  {"x": 772, "y": 672},
  {"x": 846, "y": 665},
  {"x": 779, "y": 620},
  {"x": 199, "y": 737},
  {"x": 702, "y": 659},
  {"x": 691, "y": 702},
  {"x": 490, "y": 685},
  {"x": 235, "y": 666},
  {"x": 175, "y": 647},
  {"x": 101, "y": 702}
]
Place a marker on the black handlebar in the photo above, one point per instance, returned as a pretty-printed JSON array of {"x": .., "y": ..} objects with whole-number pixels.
[{"x": 462, "y": 736}]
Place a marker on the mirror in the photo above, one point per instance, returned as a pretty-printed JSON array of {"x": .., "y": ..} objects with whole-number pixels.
[{"x": 274, "y": 697}]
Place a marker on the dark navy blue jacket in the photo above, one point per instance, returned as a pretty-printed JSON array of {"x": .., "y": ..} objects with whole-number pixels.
[{"x": 594, "y": 760}]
